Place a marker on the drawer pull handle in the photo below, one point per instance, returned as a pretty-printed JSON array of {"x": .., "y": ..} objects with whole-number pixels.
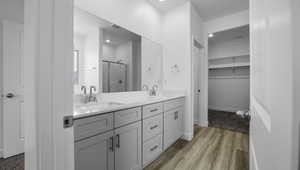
[
  {"x": 118, "y": 141},
  {"x": 153, "y": 127},
  {"x": 176, "y": 115},
  {"x": 111, "y": 144},
  {"x": 154, "y": 148},
  {"x": 154, "y": 110}
]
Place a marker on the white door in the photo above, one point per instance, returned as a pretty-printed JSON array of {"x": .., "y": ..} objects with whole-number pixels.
[
  {"x": 95, "y": 153},
  {"x": 196, "y": 77},
  {"x": 128, "y": 152},
  {"x": 13, "y": 118}
]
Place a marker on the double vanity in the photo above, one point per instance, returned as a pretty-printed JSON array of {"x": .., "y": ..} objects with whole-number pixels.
[
  {"x": 127, "y": 134},
  {"x": 121, "y": 121}
]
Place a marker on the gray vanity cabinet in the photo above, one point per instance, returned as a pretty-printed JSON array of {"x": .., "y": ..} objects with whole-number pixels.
[
  {"x": 111, "y": 141},
  {"x": 173, "y": 122},
  {"x": 128, "y": 147},
  {"x": 95, "y": 153}
]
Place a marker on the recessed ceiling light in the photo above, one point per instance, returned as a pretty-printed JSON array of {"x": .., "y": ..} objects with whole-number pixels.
[
  {"x": 210, "y": 35},
  {"x": 161, "y": 0},
  {"x": 107, "y": 41}
]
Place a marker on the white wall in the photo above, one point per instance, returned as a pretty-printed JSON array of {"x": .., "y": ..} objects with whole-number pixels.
[
  {"x": 176, "y": 34},
  {"x": 178, "y": 27},
  {"x": 200, "y": 66},
  {"x": 227, "y": 22},
  {"x": 79, "y": 41},
  {"x": 137, "y": 16},
  {"x": 152, "y": 54},
  {"x": 109, "y": 52},
  {"x": 9, "y": 10},
  {"x": 272, "y": 78},
  {"x": 234, "y": 47},
  {"x": 230, "y": 94}
]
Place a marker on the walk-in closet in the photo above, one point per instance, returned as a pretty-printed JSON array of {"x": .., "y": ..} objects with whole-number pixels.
[{"x": 229, "y": 76}]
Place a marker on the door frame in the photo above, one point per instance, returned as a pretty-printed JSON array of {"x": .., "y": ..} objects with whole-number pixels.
[{"x": 48, "y": 86}]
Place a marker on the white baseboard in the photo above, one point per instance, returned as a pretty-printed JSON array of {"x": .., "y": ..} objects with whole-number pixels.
[
  {"x": 188, "y": 136},
  {"x": 196, "y": 122},
  {"x": 203, "y": 123},
  {"x": 253, "y": 159},
  {"x": 227, "y": 108}
]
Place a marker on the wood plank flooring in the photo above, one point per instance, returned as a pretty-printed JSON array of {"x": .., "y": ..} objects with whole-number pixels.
[
  {"x": 12, "y": 163},
  {"x": 211, "y": 149}
]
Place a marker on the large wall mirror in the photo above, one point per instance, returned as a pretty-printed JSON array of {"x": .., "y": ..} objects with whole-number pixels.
[{"x": 111, "y": 58}]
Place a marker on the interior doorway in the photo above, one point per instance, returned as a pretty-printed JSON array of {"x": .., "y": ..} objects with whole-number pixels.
[
  {"x": 198, "y": 83},
  {"x": 229, "y": 79}
]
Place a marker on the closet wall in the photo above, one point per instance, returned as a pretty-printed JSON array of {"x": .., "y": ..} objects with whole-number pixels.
[{"x": 229, "y": 66}]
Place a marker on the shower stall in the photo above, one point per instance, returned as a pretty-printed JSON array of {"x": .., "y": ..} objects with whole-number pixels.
[{"x": 114, "y": 76}]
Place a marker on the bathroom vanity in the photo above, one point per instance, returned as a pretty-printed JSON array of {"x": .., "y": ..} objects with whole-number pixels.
[{"x": 126, "y": 136}]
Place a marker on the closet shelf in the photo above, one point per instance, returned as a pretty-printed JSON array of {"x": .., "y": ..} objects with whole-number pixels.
[
  {"x": 224, "y": 57},
  {"x": 233, "y": 65}
]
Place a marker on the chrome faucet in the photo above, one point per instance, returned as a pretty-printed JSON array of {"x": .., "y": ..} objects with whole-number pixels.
[
  {"x": 83, "y": 88},
  {"x": 153, "y": 90},
  {"x": 85, "y": 97},
  {"x": 92, "y": 97}
]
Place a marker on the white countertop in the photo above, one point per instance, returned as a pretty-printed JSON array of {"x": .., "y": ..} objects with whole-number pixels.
[{"x": 119, "y": 101}]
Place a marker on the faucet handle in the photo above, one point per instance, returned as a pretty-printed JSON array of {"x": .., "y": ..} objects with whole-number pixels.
[
  {"x": 145, "y": 87},
  {"x": 155, "y": 86}
]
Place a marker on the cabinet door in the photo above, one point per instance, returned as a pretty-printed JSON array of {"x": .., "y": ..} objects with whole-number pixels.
[
  {"x": 172, "y": 126},
  {"x": 128, "y": 147},
  {"x": 95, "y": 153}
]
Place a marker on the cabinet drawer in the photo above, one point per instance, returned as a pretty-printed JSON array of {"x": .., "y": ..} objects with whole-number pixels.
[
  {"x": 152, "y": 149},
  {"x": 124, "y": 117},
  {"x": 152, "y": 127},
  {"x": 169, "y": 105},
  {"x": 151, "y": 110},
  {"x": 91, "y": 126}
]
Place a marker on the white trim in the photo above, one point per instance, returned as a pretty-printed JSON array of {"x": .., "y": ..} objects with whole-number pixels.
[
  {"x": 48, "y": 85},
  {"x": 253, "y": 156},
  {"x": 262, "y": 113},
  {"x": 196, "y": 122},
  {"x": 203, "y": 123},
  {"x": 188, "y": 136}
]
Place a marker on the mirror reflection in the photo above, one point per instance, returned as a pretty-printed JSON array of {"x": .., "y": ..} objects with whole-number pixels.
[
  {"x": 106, "y": 56},
  {"x": 109, "y": 58}
]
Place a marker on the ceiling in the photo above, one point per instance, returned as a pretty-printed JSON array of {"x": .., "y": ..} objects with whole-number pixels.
[{"x": 208, "y": 9}]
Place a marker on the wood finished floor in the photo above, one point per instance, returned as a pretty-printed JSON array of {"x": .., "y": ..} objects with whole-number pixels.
[
  {"x": 12, "y": 163},
  {"x": 211, "y": 149}
]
